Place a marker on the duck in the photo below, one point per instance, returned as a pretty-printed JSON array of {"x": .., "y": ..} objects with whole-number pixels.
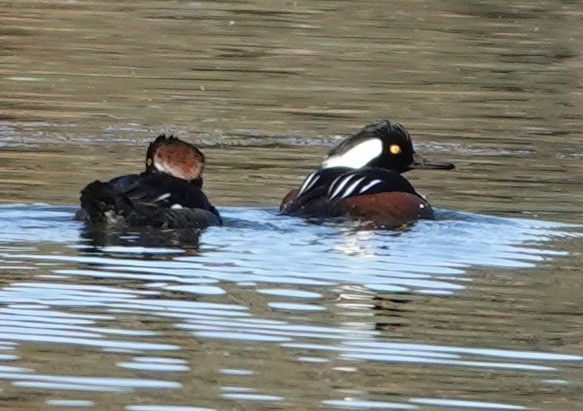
[
  {"x": 167, "y": 195},
  {"x": 361, "y": 179}
]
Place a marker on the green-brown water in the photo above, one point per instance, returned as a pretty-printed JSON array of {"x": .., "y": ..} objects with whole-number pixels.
[{"x": 477, "y": 310}]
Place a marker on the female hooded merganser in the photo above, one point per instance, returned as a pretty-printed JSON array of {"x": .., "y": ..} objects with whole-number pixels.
[
  {"x": 361, "y": 178},
  {"x": 167, "y": 195}
]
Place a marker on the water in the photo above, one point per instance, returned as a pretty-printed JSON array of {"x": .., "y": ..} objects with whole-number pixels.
[
  {"x": 479, "y": 309},
  {"x": 249, "y": 312}
]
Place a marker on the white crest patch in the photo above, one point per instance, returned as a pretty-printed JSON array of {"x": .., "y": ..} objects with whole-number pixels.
[
  {"x": 358, "y": 156},
  {"x": 176, "y": 206}
]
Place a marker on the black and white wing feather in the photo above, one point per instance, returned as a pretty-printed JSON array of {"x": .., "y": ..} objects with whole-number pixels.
[
  {"x": 164, "y": 191},
  {"x": 366, "y": 181}
]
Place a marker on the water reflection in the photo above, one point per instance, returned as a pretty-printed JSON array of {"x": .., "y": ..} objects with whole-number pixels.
[
  {"x": 159, "y": 407},
  {"x": 427, "y": 258},
  {"x": 465, "y": 312},
  {"x": 142, "y": 240},
  {"x": 327, "y": 294},
  {"x": 79, "y": 383}
]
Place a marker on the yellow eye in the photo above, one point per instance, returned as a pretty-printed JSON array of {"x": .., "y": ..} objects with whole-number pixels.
[
  {"x": 395, "y": 149},
  {"x": 148, "y": 161}
]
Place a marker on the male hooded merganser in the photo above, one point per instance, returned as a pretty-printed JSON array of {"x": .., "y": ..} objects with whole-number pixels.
[
  {"x": 167, "y": 195},
  {"x": 361, "y": 178}
]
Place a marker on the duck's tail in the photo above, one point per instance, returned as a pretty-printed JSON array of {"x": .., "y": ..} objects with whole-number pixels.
[{"x": 101, "y": 202}]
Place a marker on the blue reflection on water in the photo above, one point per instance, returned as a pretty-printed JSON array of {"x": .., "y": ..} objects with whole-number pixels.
[
  {"x": 278, "y": 257},
  {"x": 258, "y": 246}
]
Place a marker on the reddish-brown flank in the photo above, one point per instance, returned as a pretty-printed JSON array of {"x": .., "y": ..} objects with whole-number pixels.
[
  {"x": 289, "y": 197},
  {"x": 388, "y": 210}
]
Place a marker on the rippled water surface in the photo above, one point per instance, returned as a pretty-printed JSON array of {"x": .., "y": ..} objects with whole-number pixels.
[
  {"x": 479, "y": 309},
  {"x": 461, "y": 311}
]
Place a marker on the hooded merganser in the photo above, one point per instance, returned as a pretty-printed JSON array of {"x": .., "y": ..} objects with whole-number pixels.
[
  {"x": 167, "y": 195},
  {"x": 361, "y": 178}
]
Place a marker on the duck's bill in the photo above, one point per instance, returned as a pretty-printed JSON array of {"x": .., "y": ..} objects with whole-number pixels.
[{"x": 420, "y": 162}]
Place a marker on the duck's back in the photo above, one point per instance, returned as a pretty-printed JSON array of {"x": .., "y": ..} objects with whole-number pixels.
[{"x": 156, "y": 200}]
